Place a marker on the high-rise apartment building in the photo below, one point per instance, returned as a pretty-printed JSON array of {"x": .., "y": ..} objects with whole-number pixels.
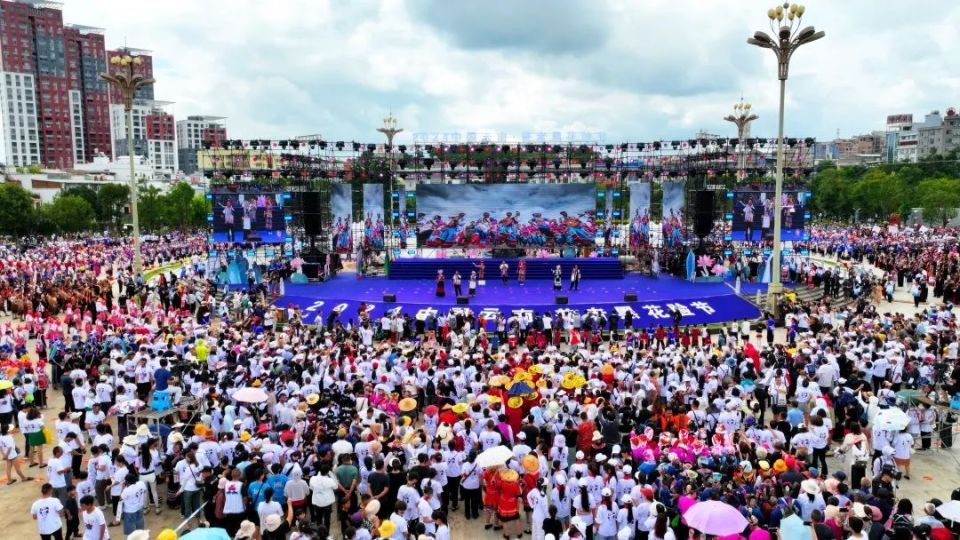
[
  {"x": 54, "y": 108},
  {"x": 195, "y": 133}
]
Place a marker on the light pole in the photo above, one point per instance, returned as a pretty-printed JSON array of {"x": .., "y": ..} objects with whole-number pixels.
[
  {"x": 741, "y": 117},
  {"x": 390, "y": 128},
  {"x": 128, "y": 82},
  {"x": 789, "y": 37}
]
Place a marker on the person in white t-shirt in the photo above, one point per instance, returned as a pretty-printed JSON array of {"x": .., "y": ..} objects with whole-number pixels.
[
  {"x": 94, "y": 522},
  {"x": 133, "y": 498},
  {"x": 47, "y": 511},
  {"x": 8, "y": 451},
  {"x": 903, "y": 451}
]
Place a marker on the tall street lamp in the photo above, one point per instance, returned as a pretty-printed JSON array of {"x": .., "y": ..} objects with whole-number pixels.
[
  {"x": 790, "y": 35},
  {"x": 741, "y": 117},
  {"x": 125, "y": 79},
  {"x": 391, "y": 127}
]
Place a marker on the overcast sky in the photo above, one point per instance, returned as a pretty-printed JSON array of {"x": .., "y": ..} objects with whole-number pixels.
[{"x": 629, "y": 70}]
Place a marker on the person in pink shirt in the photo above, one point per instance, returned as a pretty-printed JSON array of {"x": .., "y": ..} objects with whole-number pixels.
[{"x": 757, "y": 533}]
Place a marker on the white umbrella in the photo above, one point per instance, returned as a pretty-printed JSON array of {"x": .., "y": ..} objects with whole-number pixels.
[
  {"x": 891, "y": 419},
  {"x": 250, "y": 395},
  {"x": 950, "y": 510},
  {"x": 496, "y": 456}
]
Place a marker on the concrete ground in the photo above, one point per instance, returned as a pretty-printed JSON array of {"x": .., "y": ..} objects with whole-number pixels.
[{"x": 935, "y": 474}]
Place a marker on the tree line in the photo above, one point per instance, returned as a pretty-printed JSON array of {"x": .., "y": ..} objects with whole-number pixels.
[
  {"x": 879, "y": 192},
  {"x": 106, "y": 208}
]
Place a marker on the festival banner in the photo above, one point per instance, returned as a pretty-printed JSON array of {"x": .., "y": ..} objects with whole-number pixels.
[
  {"x": 672, "y": 221},
  {"x": 341, "y": 210},
  {"x": 639, "y": 214},
  {"x": 373, "y": 216}
]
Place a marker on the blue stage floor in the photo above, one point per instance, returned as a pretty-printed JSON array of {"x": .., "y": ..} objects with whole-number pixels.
[{"x": 701, "y": 302}]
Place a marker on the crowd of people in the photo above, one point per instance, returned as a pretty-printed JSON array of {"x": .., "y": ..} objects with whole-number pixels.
[{"x": 282, "y": 427}]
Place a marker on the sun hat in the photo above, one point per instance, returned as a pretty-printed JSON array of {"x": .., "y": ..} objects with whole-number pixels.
[
  {"x": 143, "y": 430},
  {"x": 509, "y": 475},
  {"x": 141, "y": 534},
  {"x": 407, "y": 404},
  {"x": 168, "y": 534},
  {"x": 312, "y": 399},
  {"x": 779, "y": 466},
  {"x": 530, "y": 463},
  {"x": 247, "y": 529},
  {"x": 131, "y": 440},
  {"x": 810, "y": 486},
  {"x": 386, "y": 529},
  {"x": 273, "y": 522}
]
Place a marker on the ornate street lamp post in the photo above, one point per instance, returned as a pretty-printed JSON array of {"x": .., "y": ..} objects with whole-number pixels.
[
  {"x": 789, "y": 35},
  {"x": 741, "y": 117},
  {"x": 128, "y": 81}
]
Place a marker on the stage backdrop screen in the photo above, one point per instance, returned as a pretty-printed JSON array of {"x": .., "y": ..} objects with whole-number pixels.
[
  {"x": 254, "y": 217},
  {"x": 373, "y": 216},
  {"x": 528, "y": 215},
  {"x": 673, "y": 223},
  {"x": 753, "y": 215},
  {"x": 639, "y": 214},
  {"x": 341, "y": 210}
]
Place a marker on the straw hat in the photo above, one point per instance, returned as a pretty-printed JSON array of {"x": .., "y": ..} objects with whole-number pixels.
[
  {"x": 407, "y": 404},
  {"x": 131, "y": 440},
  {"x": 530, "y": 463},
  {"x": 459, "y": 408},
  {"x": 515, "y": 402},
  {"x": 141, "y": 534},
  {"x": 143, "y": 430},
  {"x": 247, "y": 529},
  {"x": 509, "y": 475},
  {"x": 312, "y": 399},
  {"x": 372, "y": 508},
  {"x": 810, "y": 486},
  {"x": 167, "y": 534},
  {"x": 409, "y": 436}
]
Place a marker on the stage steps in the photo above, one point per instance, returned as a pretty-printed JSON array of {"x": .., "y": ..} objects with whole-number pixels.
[{"x": 590, "y": 268}]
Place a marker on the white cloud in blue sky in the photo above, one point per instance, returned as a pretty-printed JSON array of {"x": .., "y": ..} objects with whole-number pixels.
[{"x": 632, "y": 70}]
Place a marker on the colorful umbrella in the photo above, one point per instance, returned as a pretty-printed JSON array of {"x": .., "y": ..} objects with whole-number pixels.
[
  {"x": 716, "y": 518},
  {"x": 494, "y": 457},
  {"x": 250, "y": 395},
  {"x": 519, "y": 388}
]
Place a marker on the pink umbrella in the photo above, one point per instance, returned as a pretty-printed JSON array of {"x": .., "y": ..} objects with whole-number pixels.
[
  {"x": 716, "y": 518},
  {"x": 250, "y": 395}
]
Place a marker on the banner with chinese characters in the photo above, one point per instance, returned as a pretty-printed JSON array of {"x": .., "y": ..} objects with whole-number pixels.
[{"x": 697, "y": 311}]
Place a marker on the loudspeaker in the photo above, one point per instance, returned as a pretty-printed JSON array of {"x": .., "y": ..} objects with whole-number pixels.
[
  {"x": 463, "y": 300},
  {"x": 310, "y": 206},
  {"x": 703, "y": 213},
  {"x": 561, "y": 300},
  {"x": 389, "y": 297},
  {"x": 630, "y": 297}
]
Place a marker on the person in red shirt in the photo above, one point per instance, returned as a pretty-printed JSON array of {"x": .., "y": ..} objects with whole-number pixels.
[
  {"x": 585, "y": 433},
  {"x": 508, "y": 503},
  {"x": 491, "y": 494}
]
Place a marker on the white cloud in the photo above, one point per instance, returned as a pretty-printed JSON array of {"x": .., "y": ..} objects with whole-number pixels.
[{"x": 633, "y": 70}]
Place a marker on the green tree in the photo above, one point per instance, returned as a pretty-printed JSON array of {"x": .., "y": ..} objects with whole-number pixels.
[
  {"x": 151, "y": 206},
  {"x": 111, "y": 200},
  {"x": 831, "y": 193},
  {"x": 177, "y": 206},
  {"x": 17, "y": 214},
  {"x": 88, "y": 194},
  {"x": 199, "y": 210},
  {"x": 939, "y": 198},
  {"x": 70, "y": 213},
  {"x": 879, "y": 193}
]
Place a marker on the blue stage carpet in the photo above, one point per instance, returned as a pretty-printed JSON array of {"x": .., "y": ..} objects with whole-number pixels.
[{"x": 699, "y": 302}]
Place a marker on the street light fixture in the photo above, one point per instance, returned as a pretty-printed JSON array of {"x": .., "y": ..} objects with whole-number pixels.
[
  {"x": 391, "y": 127},
  {"x": 790, "y": 35},
  {"x": 126, "y": 79},
  {"x": 741, "y": 117}
]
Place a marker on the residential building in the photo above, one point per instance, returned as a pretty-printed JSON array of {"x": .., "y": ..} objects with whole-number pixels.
[
  {"x": 89, "y": 95},
  {"x": 907, "y": 140},
  {"x": 154, "y": 132},
  {"x": 195, "y": 133}
]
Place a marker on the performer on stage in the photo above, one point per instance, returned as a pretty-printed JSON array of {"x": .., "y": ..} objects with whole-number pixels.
[
  {"x": 441, "y": 284},
  {"x": 522, "y": 271},
  {"x": 472, "y": 284},
  {"x": 557, "y": 277},
  {"x": 748, "y": 210},
  {"x": 228, "y": 220},
  {"x": 457, "y": 280},
  {"x": 575, "y": 278},
  {"x": 504, "y": 271},
  {"x": 481, "y": 270}
]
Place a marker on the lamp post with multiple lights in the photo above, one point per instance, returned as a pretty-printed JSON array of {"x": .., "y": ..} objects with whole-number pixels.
[
  {"x": 741, "y": 117},
  {"x": 788, "y": 36},
  {"x": 126, "y": 79},
  {"x": 391, "y": 127}
]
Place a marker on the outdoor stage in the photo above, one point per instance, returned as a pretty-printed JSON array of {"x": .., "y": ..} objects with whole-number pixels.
[{"x": 700, "y": 303}]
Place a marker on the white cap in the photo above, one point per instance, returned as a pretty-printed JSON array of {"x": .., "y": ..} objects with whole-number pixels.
[
  {"x": 606, "y": 492},
  {"x": 579, "y": 454}
]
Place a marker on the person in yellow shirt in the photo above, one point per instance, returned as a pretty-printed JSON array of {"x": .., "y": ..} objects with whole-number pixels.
[{"x": 201, "y": 351}]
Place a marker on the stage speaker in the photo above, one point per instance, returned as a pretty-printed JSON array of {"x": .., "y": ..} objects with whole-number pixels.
[
  {"x": 562, "y": 300},
  {"x": 389, "y": 297},
  {"x": 630, "y": 297},
  {"x": 463, "y": 300},
  {"x": 310, "y": 206},
  {"x": 703, "y": 213}
]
